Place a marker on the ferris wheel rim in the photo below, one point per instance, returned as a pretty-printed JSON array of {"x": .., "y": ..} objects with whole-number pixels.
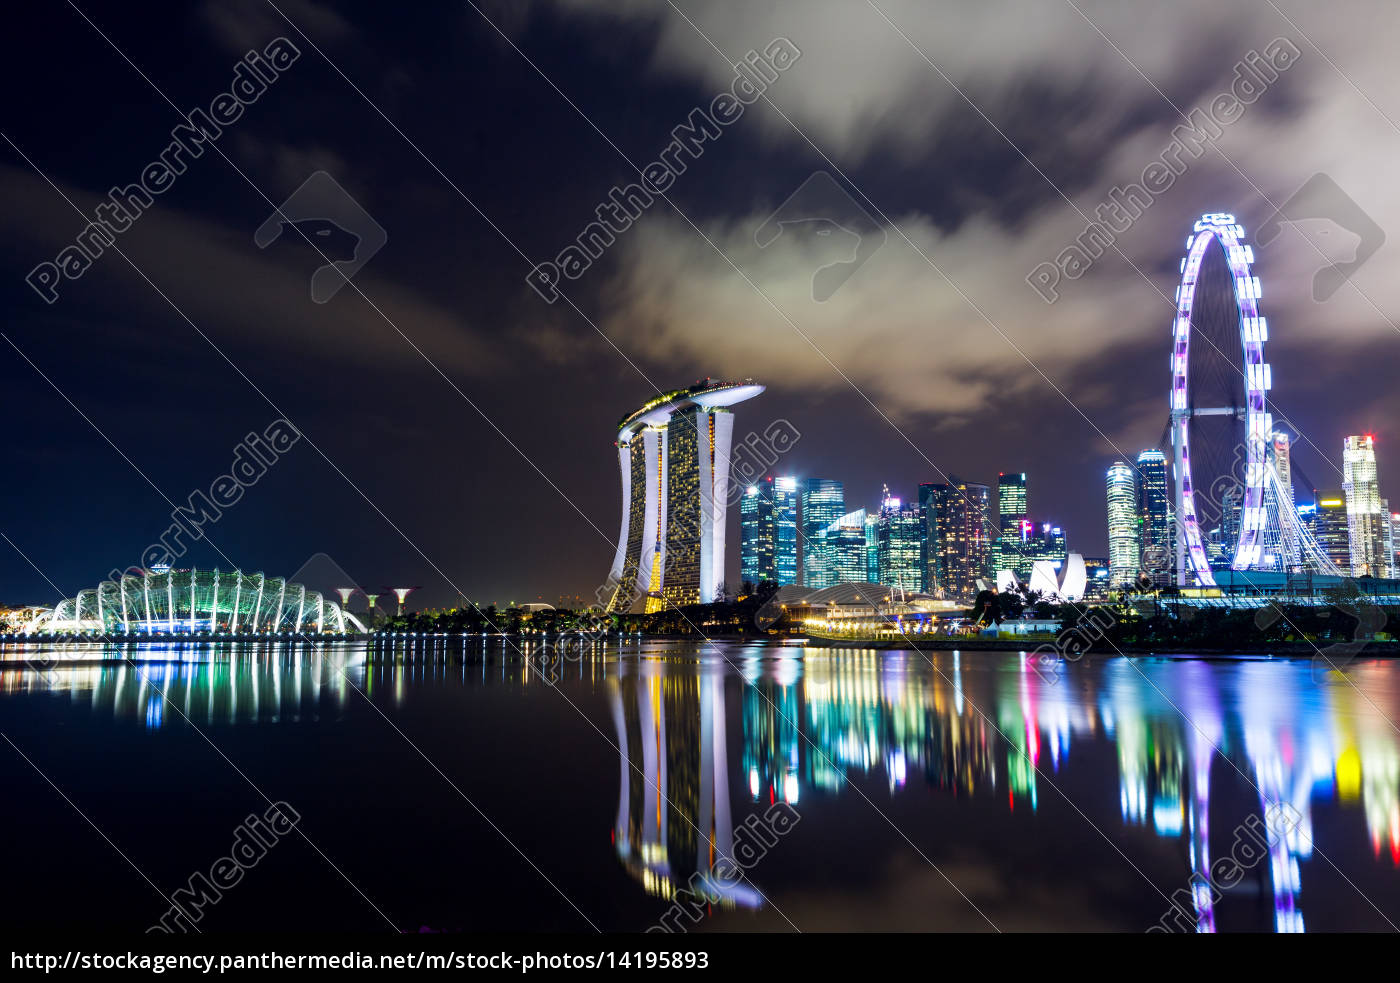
[{"x": 1221, "y": 228}]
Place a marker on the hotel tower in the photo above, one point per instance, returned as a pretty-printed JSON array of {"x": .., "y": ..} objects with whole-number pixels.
[{"x": 674, "y": 455}]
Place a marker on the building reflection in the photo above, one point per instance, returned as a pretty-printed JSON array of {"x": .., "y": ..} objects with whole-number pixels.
[
  {"x": 705, "y": 741},
  {"x": 674, "y": 825},
  {"x": 232, "y": 684},
  {"x": 1173, "y": 726}
]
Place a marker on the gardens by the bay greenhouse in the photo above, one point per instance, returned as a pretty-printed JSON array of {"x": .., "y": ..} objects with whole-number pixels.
[{"x": 171, "y": 602}]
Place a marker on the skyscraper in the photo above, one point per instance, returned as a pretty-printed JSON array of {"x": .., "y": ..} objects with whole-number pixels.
[
  {"x": 872, "y": 548},
  {"x": 1330, "y": 527},
  {"x": 1124, "y": 544},
  {"x": 898, "y": 551},
  {"x": 785, "y": 523},
  {"x": 1155, "y": 518},
  {"x": 1049, "y": 545},
  {"x": 959, "y": 544},
  {"x": 978, "y": 558},
  {"x": 1365, "y": 518},
  {"x": 1012, "y": 502},
  {"x": 768, "y": 531},
  {"x": 845, "y": 538},
  {"x": 756, "y": 536},
  {"x": 1282, "y": 449},
  {"x": 823, "y": 502},
  {"x": 673, "y": 454}
]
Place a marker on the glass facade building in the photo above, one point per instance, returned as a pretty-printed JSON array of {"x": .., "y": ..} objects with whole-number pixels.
[
  {"x": 1154, "y": 515},
  {"x": 1124, "y": 543},
  {"x": 1366, "y": 518},
  {"x": 845, "y": 538},
  {"x": 1013, "y": 505},
  {"x": 1330, "y": 527},
  {"x": 899, "y": 551},
  {"x": 959, "y": 531},
  {"x": 823, "y": 502},
  {"x": 768, "y": 531}
]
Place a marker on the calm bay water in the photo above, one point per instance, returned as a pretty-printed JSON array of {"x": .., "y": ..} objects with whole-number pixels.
[{"x": 923, "y": 793}]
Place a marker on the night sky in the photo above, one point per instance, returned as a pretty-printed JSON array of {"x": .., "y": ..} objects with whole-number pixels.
[{"x": 458, "y": 428}]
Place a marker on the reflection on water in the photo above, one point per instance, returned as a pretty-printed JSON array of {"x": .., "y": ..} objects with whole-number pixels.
[
  {"x": 225, "y": 684},
  {"x": 707, "y": 733}
]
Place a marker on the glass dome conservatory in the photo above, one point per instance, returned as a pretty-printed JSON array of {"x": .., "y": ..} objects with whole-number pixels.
[{"x": 190, "y": 601}]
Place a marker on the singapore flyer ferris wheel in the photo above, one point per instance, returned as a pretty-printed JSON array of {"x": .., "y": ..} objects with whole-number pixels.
[{"x": 1233, "y": 510}]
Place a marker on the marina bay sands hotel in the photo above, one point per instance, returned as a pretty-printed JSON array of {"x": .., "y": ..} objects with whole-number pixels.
[{"x": 674, "y": 454}]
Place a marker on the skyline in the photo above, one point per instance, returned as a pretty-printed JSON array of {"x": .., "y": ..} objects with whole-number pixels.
[{"x": 474, "y": 513}]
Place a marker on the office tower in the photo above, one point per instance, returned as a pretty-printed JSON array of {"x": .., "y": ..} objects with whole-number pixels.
[
  {"x": 938, "y": 535},
  {"x": 823, "y": 502},
  {"x": 977, "y": 561},
  {"x": 1012, "y": 502},
  {"x": 674, "y": 456},
  {"x": 1388, "y": 527},
  {"x": 1155, "y": 519},
  {"x": 1097, "y": 572},
  {"x": 1395, "y": 541},
  {"x": 1013, "y": 524},
  {"x": 757, "y": 537},
  {"x": 959, "y": 544},
  {"x": 928, "y": 578},
  {"x": 898, "y": 550},
  {"x": 1365, "y": 519},
  {"x": 1049, "y": 545},
  {"x": 1282, "y": 451},
  {"x": 845, "y": 538},
  {"x": 1124, "y": 544},
  {"x": 872, "y": 549},
  {"x": 768, "y": 531},
  {"x": 1330, "y": 527},
  {"x": 785, "y": 523}
]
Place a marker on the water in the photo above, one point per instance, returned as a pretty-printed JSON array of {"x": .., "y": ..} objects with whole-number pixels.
[{"x": 966, "y": 793}]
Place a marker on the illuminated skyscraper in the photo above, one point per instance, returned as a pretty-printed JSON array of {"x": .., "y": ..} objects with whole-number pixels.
[
  {"x": 872, "y": 548},
  {"x": 1049, "y": 545},
  {"x": 959, "y": 545},
  {"x": 1282, "y": 450},
  {"x": 1155, "y": 518},
  {"x": 1366, "y": 520},
  {"x": 1009, "y": 551},
  {"x": 1124, "y": 543},
  {"x": 1395, "y": 543},
  {"x": 1388, "y": 524},
  {"x": 1012, "y": 502},
  {"x": 926, "y": 538},
  {"x": 1330, "y": 527},
  {"x": 674, "y": 454},
  {"x": 768, "y": 531},
  {"x": 823, "y": 502},
  {"x": 845, "y": 539},
  {"x": 898, "y": 551},
  {"x": 756, "y": 536}
]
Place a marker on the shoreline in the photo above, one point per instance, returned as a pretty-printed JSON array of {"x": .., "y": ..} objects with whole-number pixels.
[{"x": 85, "y": 652}]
